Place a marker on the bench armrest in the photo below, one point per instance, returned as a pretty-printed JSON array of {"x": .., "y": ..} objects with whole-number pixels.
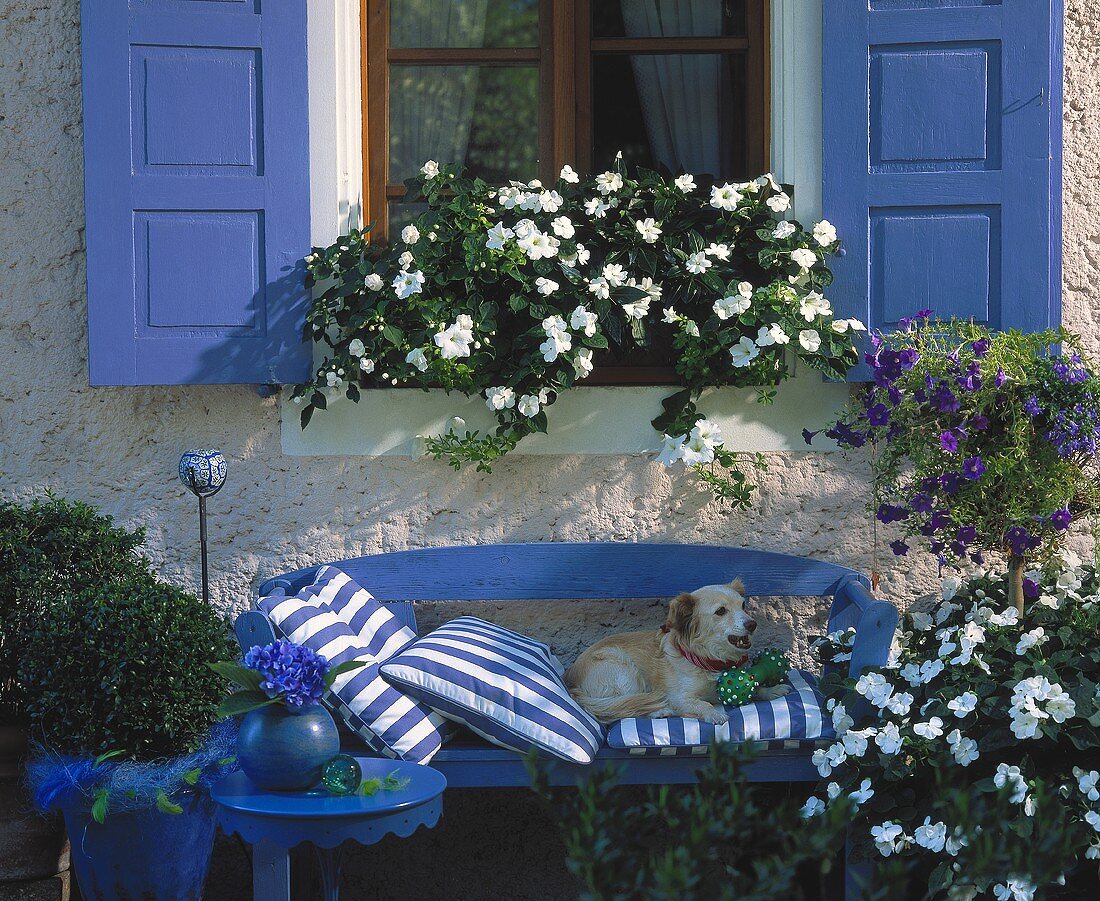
[{"x": 875, "y": 622}]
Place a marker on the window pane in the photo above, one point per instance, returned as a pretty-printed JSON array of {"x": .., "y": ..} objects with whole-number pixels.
[
  {"x": 402, "y": 214},
  {"x": 668, "y": 18},
  {"x": 464, "y": 23},
  {"x": 686, "y": 111},
  {"x": 484, "y": 116}
]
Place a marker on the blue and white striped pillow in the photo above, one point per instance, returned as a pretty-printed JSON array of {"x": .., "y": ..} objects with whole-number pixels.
[
  {"x": 798, "y": 715},
  {"x": 502, "y": 685},
  {"x": 337, "y": 618}
]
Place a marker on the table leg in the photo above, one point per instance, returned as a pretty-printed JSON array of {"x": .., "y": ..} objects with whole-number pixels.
[
  {"x": 329, "y": 861},
  {"x": 270, "y": 872}
]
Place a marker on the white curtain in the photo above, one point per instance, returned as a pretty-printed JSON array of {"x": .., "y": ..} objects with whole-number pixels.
[
  {"x": 679, "y": 93},
  {"x": 431, "y": 107}
]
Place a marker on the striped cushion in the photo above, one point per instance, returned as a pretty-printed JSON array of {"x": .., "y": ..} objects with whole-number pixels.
[
  {"x": 337, "y": 618},
  {"x": 797, "y": 716},
  {"x": 502, "y": 685}
]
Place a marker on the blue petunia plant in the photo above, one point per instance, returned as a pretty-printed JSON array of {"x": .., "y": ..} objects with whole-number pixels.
[
  {"x": 982, "y": 441},
  {"x": 279, "y": 673}
]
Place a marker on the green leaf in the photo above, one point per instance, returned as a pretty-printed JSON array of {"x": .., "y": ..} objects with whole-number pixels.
[
  {"x": 191, "y": 777},
  {"x": 99, "y": 805},
  {"x": 241, "y": 676},
  {"x": 393, "y": 334},
  {"x": 108, "y": 756},
  {"x": 674, "y": 405},
  {"x": 166, "y": 805},
  {"x": 346, "y": 667},
  {"x": 243, "y": 702}
]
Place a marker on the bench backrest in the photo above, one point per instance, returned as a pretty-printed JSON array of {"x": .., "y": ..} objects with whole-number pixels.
[{"x": 559, "y": 570}]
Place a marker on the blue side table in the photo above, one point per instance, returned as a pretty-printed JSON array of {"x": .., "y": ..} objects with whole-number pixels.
[{"x": 274, "y": 822}]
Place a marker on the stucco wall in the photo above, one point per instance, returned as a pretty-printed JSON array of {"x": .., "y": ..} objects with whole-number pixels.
[{"x": 118, "y": 447}]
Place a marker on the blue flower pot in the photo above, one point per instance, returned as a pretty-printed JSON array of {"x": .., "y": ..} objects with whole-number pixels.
[
  {"x": 284, "y": 750},
  {"x": 142, "y": 853}
]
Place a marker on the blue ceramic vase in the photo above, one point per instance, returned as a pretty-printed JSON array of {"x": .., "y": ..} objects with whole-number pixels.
[
  {"x": 284, "y": 750},
  {"x": 143, "y": 853}
]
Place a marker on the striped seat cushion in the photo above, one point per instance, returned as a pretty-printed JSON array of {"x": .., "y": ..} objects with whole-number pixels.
[
  {"x": 798, "y": 716},
  {"x": 502, "y": 685},
  {"x": 337, "y": 618}
]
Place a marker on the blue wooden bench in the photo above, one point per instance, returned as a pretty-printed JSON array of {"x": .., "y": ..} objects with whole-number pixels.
[{"x": 556, "y": 571}]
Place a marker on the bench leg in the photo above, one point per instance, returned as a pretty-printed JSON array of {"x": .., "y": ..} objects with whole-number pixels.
[{"x": 270, "y": 872}]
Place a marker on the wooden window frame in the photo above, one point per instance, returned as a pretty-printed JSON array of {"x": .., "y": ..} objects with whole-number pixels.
[{"x": 564, "y": 60}]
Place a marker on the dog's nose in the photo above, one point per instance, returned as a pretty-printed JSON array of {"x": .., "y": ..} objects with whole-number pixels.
[{"x": 751, "y": 626}]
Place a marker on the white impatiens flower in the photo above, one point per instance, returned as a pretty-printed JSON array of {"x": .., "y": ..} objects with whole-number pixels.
[
  {"x": 528, "y": 405},
  {"x": 863, "y": 794},
  {"x": 600, "y": 287},
  {"x": 804, "y": 257},
  {"x": 718, "y": 251},
  {"x": 649, "y": 230},
  {"x": 842, "y": 722},
  {"x": 366, "y": 364},
  {"x": 932, "y": 836},
  {"x": 583, "y": 320},
  {"x": 932, "y": 729},
  {"x": 809, "y": 339},
  {"x": 497, "y": 235},
  {"x": 568, "y": 175},
  {"x": 670, "y": 315},
  {"x": 724, "y": 197},
  {"x": 744, "y": 352},
  {"x": 887, "y": 837},
  {"x": 583, "y": 253},
  {"x": 833, "y": 790},
  {"x": 764, "y": 337},
  {"x": 813, "y": 806},
  {"x": 615, "y": 275},
  {"x": 840, "y": 326},
  {"x": 950, "y": 586},
  {"x": 964, "y": 704},
  {"x": 373, "y": 282},
  {"x": 824, "y": 233},
  {"x": 502, "y": 398},
  {"x": 609, "y": 182},
  {"x": 697, "y": 263},
  {"x": 550, "y": 201},
  {"x": 1014, "y": 779},
  {"x": 596, "y": 208},
  {"x": 430, "y": 169},
  {"x": 900, "y": 703},
  {"x": 406, "y": 260},
  {"x": 582, "y": 363},
  {"x": 889, "y": 739},
  {"x": 406, "y": 284},
  {"x": 558, "y": 340},
  {"x": 1010, "y": 617},
  {"x": 546, "y": 286},
  {"x": 638, "y": 310},
  {"x": 814, "y": 305},
  {"x": 416, "y": 358},
  {"x": 1029, "y": 640},
  {"x": 745, "y": 289},
  {"x": 410, "y": 234},
  {"x": 563, "y": 227},
  {"x": 455, "y": 340},
  {"x": 727, "y": 307},
  {"x": 777, "y": 334},
  {"x": 685, "y": 182},
  {"x": 1015, "y": 888},
  {"x": 539, "y": 246},
  {"x": 1093, "y": 819},
  {"x": 1088, "y": 783},
  {"x": 784, "y": 230},
  {"x": 333, "y": 379},
  {"x": 779, "y": 203},
  {"x": 356, "y": 347},
  {"x": 964, "y": 750}
]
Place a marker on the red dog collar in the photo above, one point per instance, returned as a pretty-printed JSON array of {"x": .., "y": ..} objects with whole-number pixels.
[{"x": 709, "y": 664}]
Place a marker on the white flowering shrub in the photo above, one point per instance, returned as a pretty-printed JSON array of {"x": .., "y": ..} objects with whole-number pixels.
[
  {"x": 515, "y": 294},
  {"x": 974, "y": 755}
]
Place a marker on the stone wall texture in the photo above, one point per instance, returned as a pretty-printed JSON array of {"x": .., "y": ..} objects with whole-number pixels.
[{"x": 118, "y": 447}]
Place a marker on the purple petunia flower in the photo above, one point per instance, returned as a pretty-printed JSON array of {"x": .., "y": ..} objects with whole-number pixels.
[
  {"x": 973, "y": 467},
  {"x": 972, "y": 380},
  {"x": 967, "y": 534},
  {"x": 1061, "y": 519},
  {"x": 980, "y": 347},
  {"x": 944, "y": 400},
  {"x": 1001, "y": 377},
  {"x": 878, "y": 415},
  {"x": 1031, "y": 589},
  {"x": 1031, "y": 406},
  {"x": 949, "y": 442},
  {"x": 921, "y": 502},
  {"x": 899, "y": 547},
  {"x": 958, "y": 548},
  {"x": 979, "y": 423},
  {"x": 809, "y": 436},
  {"x": 888, "y": 513},
  {"x": 290, "y": 672},
  {"x": 924, "y": 314},
  {"x": 1020, "y": 540},
  {"x": 978, "y": 557},
  {"x": 941, "y": 519},
  {"x": 951, "y": 482}
]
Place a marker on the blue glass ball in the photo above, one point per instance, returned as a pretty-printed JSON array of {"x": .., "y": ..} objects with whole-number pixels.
[{"x": 207, "y": 467}]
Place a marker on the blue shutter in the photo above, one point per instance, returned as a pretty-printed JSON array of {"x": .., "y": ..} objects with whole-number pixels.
[
  {"x": 942, "y": 158},
  {"x": 196, "y": 160}
]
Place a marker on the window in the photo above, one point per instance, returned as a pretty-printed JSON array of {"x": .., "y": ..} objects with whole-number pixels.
[{"x": 518, "y": 87}]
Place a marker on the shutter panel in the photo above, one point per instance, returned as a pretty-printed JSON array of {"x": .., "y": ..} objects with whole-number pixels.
[
  {"x": 196, "y": 190},
  {"x": 942, "y": 159}
]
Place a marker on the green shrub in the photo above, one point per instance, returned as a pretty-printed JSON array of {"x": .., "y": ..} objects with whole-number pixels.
[
  {"x": 721, "y": 838},
  {"x": 48, "y": 547},
  {"x": 123, "y": 665}
]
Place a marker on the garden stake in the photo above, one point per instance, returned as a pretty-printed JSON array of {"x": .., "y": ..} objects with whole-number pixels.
[{"x": 203, "y": 472}]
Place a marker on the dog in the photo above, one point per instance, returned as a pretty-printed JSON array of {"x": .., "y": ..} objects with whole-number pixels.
[{"x": 672, "y": 671}]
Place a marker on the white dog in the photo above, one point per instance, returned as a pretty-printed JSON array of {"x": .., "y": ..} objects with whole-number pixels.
[{"x": 672, "y": 671}]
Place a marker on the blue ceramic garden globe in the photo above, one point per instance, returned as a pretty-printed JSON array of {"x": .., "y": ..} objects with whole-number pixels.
[
  {"x": 286, "y": 750},
  {"x": 203, "y": 471}
]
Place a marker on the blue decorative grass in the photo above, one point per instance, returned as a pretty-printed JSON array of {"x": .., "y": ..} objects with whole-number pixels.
[{"x": 57, "y": 780}]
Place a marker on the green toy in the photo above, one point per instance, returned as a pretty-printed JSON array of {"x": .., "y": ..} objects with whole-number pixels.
[{"x": 737, "y": 685}]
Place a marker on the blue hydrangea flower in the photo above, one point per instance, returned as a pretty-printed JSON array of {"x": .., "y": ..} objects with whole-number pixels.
[{"x": 292, "y": 673}]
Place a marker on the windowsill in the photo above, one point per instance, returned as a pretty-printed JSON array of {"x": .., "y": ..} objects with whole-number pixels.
[{"x": 608, "y": 420}]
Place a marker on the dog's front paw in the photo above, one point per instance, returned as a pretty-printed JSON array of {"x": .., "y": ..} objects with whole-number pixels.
[
  {"x": 771, "y": 692},
  {"x": 717, "y": 716}
]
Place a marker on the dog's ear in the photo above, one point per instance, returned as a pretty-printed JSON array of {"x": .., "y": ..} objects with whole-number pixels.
[
  {"x": 680, "y": 614},
  {"x": 738, "y": 586}
]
